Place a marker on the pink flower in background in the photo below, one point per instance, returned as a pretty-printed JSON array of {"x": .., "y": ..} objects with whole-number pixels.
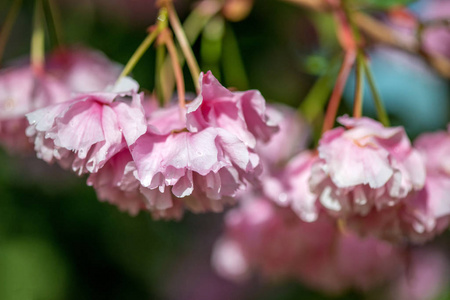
[
  {"x": 428, "y": 212},
  {"x": 436, "y": 38},
  {"x": 286, "y": 165},
  {"x": 82, "y": 70},
  {"x": 365, "y": 167},
  {"x": 298, "y": 194},
  {"x": 67, "y": 71},
  {"x": 424, "y": 214},
  {"x": 273, "y": 241},
  {"x": 83, "y": 133},
  {"x": 292, "y": 137},
  {"x": 426, "y": 276},
  {"x": 21, "y": 91}
]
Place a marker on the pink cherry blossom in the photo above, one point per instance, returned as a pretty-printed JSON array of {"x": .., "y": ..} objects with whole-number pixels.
[
  {"x": 84, "y": 132},
  {"x": 286, "y": 166},
  {"x": 436, "y": 39},
  {"x": 291, "y": 138},
  {"x": 273, "y": 241},
  {"x": 428, "y": 212},
  {"x": 242, "y": 113},
  {"x": 200, "y": 158},
  {"x": 423, "y": 214},
  {"x": 21, "y": 91},
  {"x": 297, "y": 191},
  {"x": 426, "y": 276},
  {"x": 66, "y": 71},
  {"x": 365, "y": 167},
  {"x": 116, "y": 184}
]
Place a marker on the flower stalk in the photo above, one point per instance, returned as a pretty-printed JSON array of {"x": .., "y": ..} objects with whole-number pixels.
[
  {"x": 381, "y": 112},
  {"x": 143, "y": 47},
  {"x": 336, "y": 95},
  {"x": 184, "y": 44},
  {"x": 38, "y": 40},
  {"x": 359, "y": 87},
  {"x": 7, "y": 26},
  {"x": 166, "y": 38},
  {"x": 56, "y": 22}
]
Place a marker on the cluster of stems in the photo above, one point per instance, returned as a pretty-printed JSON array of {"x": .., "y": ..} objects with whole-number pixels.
[
  {"x": 352, "y": 44},
  {"x": 163, "y": 36}
]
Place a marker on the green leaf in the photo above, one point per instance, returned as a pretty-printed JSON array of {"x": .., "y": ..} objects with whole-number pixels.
[{"x": 384, "y": 3}]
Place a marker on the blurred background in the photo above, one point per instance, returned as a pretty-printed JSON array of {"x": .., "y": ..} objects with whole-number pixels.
[{"x": 57, "y": 241}]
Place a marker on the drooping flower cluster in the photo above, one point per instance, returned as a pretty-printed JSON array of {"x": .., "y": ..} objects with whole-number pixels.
[
  {"x": 261, "y": 237},
  {"x": 365, "y": 167},
  {"x": 84, "y": 132},
  {"x": 274, "y": 241},
  {"x": 284, "y": 231},
  {"x": 160, "y": 159}
]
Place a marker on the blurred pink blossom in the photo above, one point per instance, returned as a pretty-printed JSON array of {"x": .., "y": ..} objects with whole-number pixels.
[
  {"x": 425, "y": 277},
  {"x": 82, "y": 70},
  {"x": 292, "y": 137},
  {"x": 67, "y": 70},
  {"x": 436, "y": 39},
  {"x": 21, "y": 91},
  {"x": 428, "y": 212},
  {"x": 274, "y": 242}
]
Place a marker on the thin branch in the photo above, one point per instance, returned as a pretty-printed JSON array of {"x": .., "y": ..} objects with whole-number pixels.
[
  {"x": 382, "y": 115},
  {"x": 166, "y": 38},
  {"x": 184, "y": 44},
  {"x": 336, "y": 95}
]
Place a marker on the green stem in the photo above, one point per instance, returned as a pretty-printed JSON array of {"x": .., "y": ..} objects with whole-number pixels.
[
  {"x": 161, "y": 24},
  {"x": 160, "y": 56},
  {"x": 192, "y": 26},
  {"x": 168, "y": 41},
  {"x": 314, "y": 102},
  {"x": 7, "y": 26},
  {"x": 382, "y": 115},
  {"x": 38, "y": 40},
  {"x": 56, "y": 22},
  {"x": 359, "y": 87},
  {"x": 184, "y": 45}
]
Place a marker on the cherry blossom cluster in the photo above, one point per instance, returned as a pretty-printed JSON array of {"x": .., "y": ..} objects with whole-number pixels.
[
  {"x": 69, "y": 70},
  {"x": 140, "y": 156},
  {"x": 165, "y": 159},
  {"x": 339, "y": 215},
  {"x": 328, "y": 217}
]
